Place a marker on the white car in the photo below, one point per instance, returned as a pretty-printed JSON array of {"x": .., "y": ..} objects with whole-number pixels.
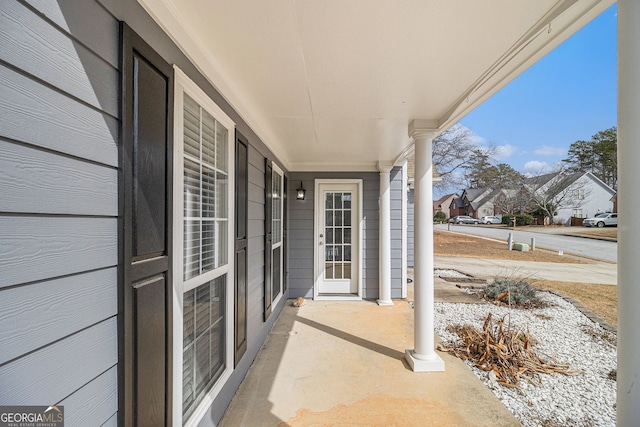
[
  {"x": 490, "y": 220},
  {"x": 602, "y": 220}
]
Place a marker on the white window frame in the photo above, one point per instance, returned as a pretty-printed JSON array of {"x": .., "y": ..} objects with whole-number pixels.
[
  {"x": 275, "y": 170},
  {"x": 183, "y": 84}
]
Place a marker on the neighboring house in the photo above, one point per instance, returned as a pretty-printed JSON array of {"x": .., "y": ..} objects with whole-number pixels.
[
  {"x": 589, "y": 196},
  {"x": 444, "y": 204},
  {"x": 578, "y": 195},
  {"x": 472, "y": 202},
  {"x": 152, "y": 156}
]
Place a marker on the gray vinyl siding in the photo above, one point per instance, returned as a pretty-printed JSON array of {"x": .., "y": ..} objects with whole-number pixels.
[
  {"x": 410, "y": 227},
  {"x": 396, "y": 188},
  {"x": 59, "y": 207},
  {"x": 301, "y": 223}
]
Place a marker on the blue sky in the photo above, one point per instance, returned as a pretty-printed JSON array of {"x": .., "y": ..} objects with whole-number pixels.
[{"x": 567, "y": 96}]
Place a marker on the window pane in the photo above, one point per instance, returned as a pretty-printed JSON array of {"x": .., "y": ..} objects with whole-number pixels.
[
  {"x": 191, "y": 255},
  {"x": 338, "y": 200},
  {"x": 328, "y": 203},
  {"x": 328, "y": 270},
  {"x": 222, "y": 186},
  {"x": 203, "y": 354},
  {"x": 188, "y": 327},
  {"x": 347, "y": 235},
  {"x": 191, "y": 189},
  {"x": 203, "y": 310},
  {"x": 208, "y": 139},
  {"x": 328, "y": 253},
  {"x": 347, "y": 253},
  {"x": 347, "y": 218},
  {"x": 208, "y": 246},
  {"x": 347, "y": 270},
  {"x": 203, "y": 371},
  {"x": 337, "y": 270},
  {"x": 329, "y": 235},
  {"x": 222, "y": 242},
  {"x": 329, "y": 218},
  {"x": 188, "y": 377},
  {"x": 191, "y": 127},
  {"x": 346, "y": 198},
  {"x": 208, "y": 193},
  {"x": 221, "y": 147},
  {"x": 337, "y": 218},
  {"x": 338, "y": 237}
]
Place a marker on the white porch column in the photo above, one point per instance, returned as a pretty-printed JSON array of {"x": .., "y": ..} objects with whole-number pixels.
[
  {"x": 385, "y": 235},
  {"x": 628, "y": 398},
  {"x": 423, "y": 357}
]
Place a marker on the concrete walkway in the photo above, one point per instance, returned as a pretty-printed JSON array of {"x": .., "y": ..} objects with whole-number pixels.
[
  {"x": 342, "y": 364},
  {"x": 594, "y": 272}
]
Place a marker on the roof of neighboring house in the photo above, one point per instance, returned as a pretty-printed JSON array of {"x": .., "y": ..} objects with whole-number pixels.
[
  {"x": 486, "y": 197},
  {"x": 474, "y": 193},
  {"x": 459, "y": 202},
  {"x": 443, "y": 199}
]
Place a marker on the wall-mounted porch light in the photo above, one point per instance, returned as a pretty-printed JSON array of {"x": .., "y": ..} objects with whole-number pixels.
[{"x": 301, "y": 192}]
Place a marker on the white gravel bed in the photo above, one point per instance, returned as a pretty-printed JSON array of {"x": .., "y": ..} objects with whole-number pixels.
[
  {"x": 587, "y": 399},
  {"x": 448, "y": 273}
]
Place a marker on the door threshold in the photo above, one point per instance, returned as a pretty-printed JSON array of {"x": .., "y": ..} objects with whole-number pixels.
[{"x": 338, "y": 297}]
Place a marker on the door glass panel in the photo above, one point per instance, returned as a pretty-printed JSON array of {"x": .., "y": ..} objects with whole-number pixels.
[
  {"x": 346, "y": 198},
  {"x": 338, "y": 235},
  {"x": 329, "y": 253},
  {"x": 328, "y": 270}
]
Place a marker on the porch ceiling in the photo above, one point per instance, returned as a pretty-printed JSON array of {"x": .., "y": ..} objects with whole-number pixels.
[{"x": 333, "y": 84}]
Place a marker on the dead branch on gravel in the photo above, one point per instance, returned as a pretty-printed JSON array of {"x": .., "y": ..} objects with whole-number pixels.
[{"x": 506, "y": 351}]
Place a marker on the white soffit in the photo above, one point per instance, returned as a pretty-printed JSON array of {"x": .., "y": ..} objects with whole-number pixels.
[{"x": 333, "y": 84}]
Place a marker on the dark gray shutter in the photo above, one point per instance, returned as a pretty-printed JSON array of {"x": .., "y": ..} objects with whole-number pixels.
[
  {"x": 242, "y": 197},
  {"x": 145, "y": 235}
]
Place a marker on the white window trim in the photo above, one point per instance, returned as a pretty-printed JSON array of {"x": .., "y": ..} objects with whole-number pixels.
[{"x": 184, "y": 84}]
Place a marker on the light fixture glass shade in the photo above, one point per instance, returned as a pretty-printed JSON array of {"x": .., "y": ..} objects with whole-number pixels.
[{"x": 301, "y": 192}]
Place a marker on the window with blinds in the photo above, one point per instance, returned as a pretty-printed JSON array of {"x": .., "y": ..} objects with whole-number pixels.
[
  {"x": 205, "y": 238},
  {"x": 206, "y": 182}
]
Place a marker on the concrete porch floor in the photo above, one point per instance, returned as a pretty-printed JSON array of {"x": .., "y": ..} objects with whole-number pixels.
[{"x": 342, "y": 364}]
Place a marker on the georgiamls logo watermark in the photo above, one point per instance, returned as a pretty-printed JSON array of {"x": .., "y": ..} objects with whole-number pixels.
[{"x": 31, "y": 416}]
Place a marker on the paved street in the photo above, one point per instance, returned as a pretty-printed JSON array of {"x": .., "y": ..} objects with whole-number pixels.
[{"x": 600, "y": 249}]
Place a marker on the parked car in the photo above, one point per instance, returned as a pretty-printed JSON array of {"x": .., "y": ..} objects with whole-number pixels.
[
  {"x": 602, "y": 220},
  {"x": 464, "y": 219},
  {"x": 491, "y": 220}
]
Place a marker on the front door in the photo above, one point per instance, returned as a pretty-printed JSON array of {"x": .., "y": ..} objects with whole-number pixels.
[{"x": 337, "y": 239}]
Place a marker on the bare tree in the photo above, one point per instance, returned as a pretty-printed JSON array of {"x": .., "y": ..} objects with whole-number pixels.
[{"x": 453, "y": 151}]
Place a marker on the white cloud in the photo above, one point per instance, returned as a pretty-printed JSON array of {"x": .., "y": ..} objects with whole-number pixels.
[
  {"x": 547, "y": 150},
  {"x": 535, "y": 166},
  {"x": 505, "y": 151}
]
